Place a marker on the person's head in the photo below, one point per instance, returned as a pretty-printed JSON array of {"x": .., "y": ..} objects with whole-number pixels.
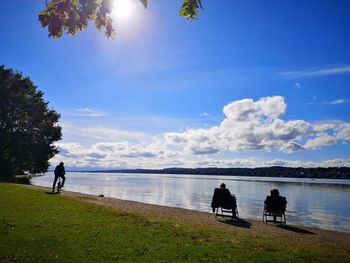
[
  {"x": 61, "y": 163},
  {"x": 275, "y": 192},
  {"x": 222, "y": 186}
]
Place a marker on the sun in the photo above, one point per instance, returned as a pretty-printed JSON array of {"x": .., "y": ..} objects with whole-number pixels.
[{"x": 122, "y": 10}]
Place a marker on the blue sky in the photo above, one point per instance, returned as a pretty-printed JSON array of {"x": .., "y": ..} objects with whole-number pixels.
[{"x": 154, "y": 96}]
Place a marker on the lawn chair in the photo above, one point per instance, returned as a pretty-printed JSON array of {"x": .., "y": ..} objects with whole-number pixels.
[
  {"x": 224, "y": 204},
  {"x": 275, "y": 207}
]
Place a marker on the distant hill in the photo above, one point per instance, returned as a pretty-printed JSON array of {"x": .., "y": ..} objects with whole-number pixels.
[{"x": 275, "y": 171}]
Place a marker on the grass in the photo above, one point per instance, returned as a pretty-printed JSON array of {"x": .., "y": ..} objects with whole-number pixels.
[{"x": 38, "y": 227}]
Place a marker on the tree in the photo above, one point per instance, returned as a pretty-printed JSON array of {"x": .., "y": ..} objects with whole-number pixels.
[
  {"x": 28, "y": 128},
  {"x": 71, "y": 16}
]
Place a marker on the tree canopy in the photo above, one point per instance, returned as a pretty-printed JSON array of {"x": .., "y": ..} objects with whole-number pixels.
[
  {"x": 28, "y": 128},
  {"x": 71, "y": 16}
]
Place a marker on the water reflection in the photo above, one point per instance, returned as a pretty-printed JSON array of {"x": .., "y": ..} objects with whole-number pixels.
[{"x": 321, "y": 203}]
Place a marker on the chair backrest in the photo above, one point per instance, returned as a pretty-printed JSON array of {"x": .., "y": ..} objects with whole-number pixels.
[
  {"x": 275, "y": 204},
  {"x": 223, "y": 198}
]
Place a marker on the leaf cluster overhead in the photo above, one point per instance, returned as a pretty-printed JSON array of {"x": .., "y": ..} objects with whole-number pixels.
[{"x": 71, "y": 16}]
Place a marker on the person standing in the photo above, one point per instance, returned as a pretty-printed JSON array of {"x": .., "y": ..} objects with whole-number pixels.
[{"x": 59, "y": 172}]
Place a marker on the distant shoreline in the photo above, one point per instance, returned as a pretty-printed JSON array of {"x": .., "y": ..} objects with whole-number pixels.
[{"x": 275, "y": 171}]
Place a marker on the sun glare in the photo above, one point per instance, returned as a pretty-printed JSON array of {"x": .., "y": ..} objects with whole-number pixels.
[{"x": 123, "y": 10}]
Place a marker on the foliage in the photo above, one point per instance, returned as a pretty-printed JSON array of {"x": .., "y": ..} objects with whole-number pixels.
[
  {"x": 28, "y": 127},
  {"x": 71, "y": 16},
  {"x": 38, "y": 227},
  {"x": 189, "y": 9}
]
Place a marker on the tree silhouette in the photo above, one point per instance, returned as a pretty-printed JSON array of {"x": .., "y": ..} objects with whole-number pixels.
[
  {"x": 28, "y": 128},
  {"x": 71, "y": 16}
]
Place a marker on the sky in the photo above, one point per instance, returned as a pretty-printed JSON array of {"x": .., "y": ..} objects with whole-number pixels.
[{"x": 247, "y": 84}]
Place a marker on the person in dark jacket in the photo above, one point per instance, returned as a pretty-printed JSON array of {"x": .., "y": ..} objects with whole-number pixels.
[
  {"x": 275, "y": 203},
  {"x": 223, "y": 198},
  {"x": 59, "y": 172}
]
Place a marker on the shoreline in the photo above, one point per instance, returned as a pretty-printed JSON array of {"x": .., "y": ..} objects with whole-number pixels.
[
  {"x": 272, "y": 171},
  {"x": 289, "y": 234},
  {"x": 201, "y": 174},
  {"x": 330, "y": 215}
]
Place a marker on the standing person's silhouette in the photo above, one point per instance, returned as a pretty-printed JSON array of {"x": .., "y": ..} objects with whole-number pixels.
[{"x": 59, "y": 172}]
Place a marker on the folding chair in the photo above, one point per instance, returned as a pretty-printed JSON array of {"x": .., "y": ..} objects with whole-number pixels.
[
  {"x": 224, "y": 204},
  {"x": 275, "y": 207}
]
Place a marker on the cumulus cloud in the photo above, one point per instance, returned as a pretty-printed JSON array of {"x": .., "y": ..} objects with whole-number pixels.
[
  {"x": 257, "y": 125},
  {"x": 98, "y": 156},
  {"x": 246, "y": 109},
  {"x": 320, "y": 141},
  {"x": 109, "y": 154},
  {"x": 248, "y": 125}
]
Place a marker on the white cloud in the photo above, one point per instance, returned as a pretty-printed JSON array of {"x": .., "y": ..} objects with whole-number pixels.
[
  {"x": 204, "y": 114},
  {"x": 332, "y": 102},
  {"x": 297, "y": 85},
  {"x": 123, "y": 155},
  {"x": 87, "y": 112},
  {"x": 338, "y": 101},
  {"x": 318, "y": 72},
  {"x": 101, "y": 133},
  {"x": 248, "y": 126},
  {"x": 247, "y": 109},
  {"x": 110, "y": 134},
  {"x": 257, "y": 125},
  {"x": 320, "y": 141}
]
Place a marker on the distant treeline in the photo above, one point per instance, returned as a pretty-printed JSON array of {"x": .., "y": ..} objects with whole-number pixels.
[{"x": 276, "y": 171}]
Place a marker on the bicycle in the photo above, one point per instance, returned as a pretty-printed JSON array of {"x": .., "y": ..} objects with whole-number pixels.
[{"x": 59, "y": 185}]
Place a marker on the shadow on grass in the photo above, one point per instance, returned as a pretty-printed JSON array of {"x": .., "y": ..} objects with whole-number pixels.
[
  {"x": 237, "y": 223},
  {"x": 52, "y": 193},
  {"x": 296, "y": 229},
  {"x": 18, "y": 179}
]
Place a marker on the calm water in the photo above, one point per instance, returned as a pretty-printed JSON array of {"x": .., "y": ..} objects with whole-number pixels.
[{"x": 320, "y": 203}]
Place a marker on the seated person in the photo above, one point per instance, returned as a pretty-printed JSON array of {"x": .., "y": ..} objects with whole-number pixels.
[
  {"x": 275, "y": 204},
  {"x": 223, "y": 198}
]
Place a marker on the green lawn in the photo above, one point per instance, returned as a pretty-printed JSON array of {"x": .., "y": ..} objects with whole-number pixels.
[{"x": 39, "y": 227}]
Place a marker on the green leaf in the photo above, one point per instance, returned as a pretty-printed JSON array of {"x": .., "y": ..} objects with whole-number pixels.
[
  {"x": 189, "y": 9},
  {"x": 44, "y": 18},
  {"x": 69, "y": 16}
]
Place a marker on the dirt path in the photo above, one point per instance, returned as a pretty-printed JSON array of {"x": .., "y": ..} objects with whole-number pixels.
[{"x": 291, "y": 234}]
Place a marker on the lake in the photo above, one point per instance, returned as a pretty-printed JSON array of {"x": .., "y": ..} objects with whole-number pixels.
[{"x": 323, "y": 203}]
